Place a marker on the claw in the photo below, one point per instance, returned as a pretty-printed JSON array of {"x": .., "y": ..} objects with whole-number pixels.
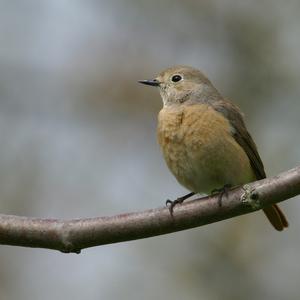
[
  {"x": 171, "y": 204},
  {"x": 168, "y": 202},
  {"x": 222, "y": 191}
]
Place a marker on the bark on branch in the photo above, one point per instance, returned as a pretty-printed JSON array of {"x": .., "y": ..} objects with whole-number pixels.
[{"x": 74, "y": 235}]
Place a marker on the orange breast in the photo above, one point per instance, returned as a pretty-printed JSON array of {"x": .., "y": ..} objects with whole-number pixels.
[{"x": 199, "y": 148}]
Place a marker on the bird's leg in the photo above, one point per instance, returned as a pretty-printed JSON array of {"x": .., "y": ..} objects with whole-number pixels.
[
  {"x": 171, "y": 204},
  {"x": 223, "y": 190}
]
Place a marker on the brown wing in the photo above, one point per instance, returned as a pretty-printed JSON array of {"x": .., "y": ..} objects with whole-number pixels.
[
  {"x": 241, "y": 135},
  {"x": 244, "y": 139}
]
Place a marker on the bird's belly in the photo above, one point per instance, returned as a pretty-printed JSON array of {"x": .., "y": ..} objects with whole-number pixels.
[{"x": 200, "y": 150}]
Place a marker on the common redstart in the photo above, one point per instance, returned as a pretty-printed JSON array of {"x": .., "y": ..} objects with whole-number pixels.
[{"x": 204, "y": 139}]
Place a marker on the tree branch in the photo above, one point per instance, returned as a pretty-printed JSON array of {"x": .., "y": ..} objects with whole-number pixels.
[{"x": 74, "y": 235}]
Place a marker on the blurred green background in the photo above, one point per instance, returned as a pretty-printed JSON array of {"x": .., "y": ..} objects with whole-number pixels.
[{"x": 78, "y": 140}]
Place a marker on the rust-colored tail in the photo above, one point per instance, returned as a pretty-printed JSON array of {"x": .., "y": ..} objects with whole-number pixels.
[{"x": 276, "y": 217}]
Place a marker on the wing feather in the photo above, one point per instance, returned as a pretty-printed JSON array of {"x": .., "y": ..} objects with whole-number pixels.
[
  {"x": 241, "y": 135},
  {"x": 244, "y": 139}
]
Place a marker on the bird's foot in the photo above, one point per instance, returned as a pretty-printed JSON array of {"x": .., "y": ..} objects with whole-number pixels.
[
  {"x": 171, "y": 204},
  {"x": 222, "y": 191}
]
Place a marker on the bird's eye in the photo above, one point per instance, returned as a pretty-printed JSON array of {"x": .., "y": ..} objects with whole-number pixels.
[{"x": 176, "y": 78}]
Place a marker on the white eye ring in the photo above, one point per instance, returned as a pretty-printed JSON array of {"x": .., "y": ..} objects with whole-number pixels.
[{"x": 176, "y": 78}]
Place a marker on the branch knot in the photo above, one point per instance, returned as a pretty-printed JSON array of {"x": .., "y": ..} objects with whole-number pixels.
[{"x": 250, "y": 197}]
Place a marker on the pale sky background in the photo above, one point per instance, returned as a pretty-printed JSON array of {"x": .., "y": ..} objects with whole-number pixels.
[{"x": 78, "y": 140}]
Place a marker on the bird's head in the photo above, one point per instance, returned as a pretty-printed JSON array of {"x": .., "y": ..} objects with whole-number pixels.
[{"x": 183, "y": 85}]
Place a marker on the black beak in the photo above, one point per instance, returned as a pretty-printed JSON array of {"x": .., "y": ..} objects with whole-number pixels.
[{"x": 153, "y": 82}]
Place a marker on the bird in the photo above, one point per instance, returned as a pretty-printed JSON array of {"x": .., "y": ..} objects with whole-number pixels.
[{"x": 204, "y": 139}]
